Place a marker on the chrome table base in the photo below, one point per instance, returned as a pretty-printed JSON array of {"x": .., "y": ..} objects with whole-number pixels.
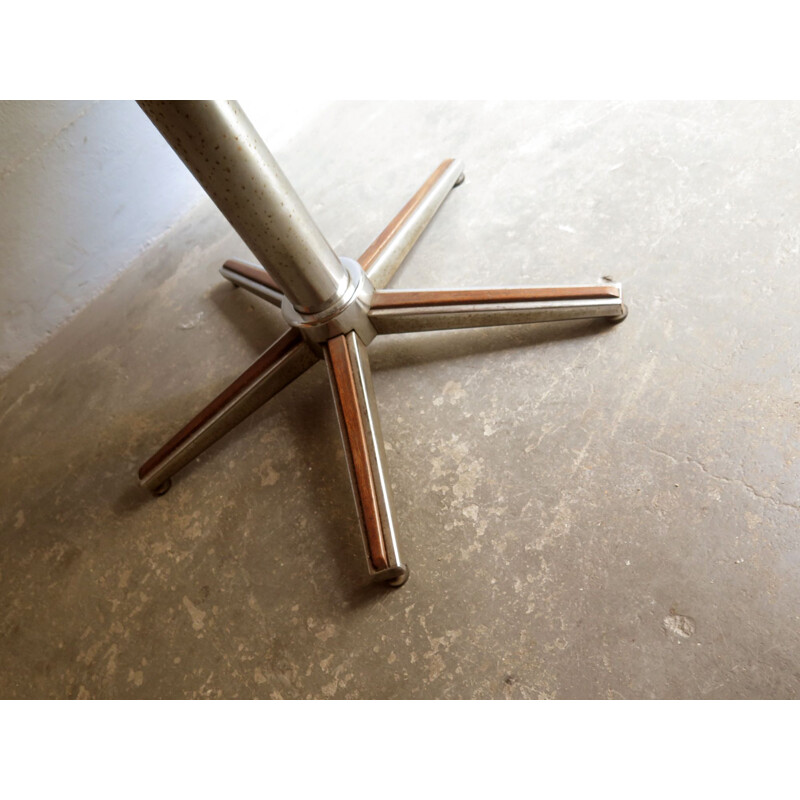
[{"x": 335, "y": 307}]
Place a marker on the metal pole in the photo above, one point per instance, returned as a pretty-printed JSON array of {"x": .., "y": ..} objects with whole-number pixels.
[{"x": 224, "y": 152}]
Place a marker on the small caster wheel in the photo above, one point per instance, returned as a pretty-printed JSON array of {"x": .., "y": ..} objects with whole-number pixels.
[{"x": 163, "y": 488}]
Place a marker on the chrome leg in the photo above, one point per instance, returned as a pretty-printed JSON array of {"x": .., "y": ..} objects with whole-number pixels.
[
  {"x": 407, "y": 311},
  {"x": 253, "y": 279},
  {"x": 286, "y": 359},
  {"x": 353, "y": 393},
  {"x": 382, "y": 258}
]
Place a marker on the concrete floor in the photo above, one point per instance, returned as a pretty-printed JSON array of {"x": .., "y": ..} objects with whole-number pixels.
[{"x": 589, "y": 511}]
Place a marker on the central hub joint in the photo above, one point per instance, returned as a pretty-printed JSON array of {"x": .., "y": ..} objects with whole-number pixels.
[{"x": 348, "y": 312}]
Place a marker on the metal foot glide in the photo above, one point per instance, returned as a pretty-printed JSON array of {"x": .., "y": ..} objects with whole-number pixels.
[{"x": 334, "y": 306}]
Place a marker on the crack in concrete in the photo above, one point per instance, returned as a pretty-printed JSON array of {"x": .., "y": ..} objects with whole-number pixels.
[{"x": 690, "y": 460}]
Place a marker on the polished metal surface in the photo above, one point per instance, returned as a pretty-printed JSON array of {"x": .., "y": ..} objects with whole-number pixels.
[
  {"x": 288, "y": 358},
  {"x": 349, "y": 313},
  {"x": 475, "y": 315},
  {"x": 383, "y": 267},
  {"x": 254, "y": 287},
  {"x": 331, "y": 305},
  {"x": 224, "y": 152},
  {"x": 364, "y": 433}
]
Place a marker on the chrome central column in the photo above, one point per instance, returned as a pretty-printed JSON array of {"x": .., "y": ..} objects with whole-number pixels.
[{"x": 224, "y": 152}]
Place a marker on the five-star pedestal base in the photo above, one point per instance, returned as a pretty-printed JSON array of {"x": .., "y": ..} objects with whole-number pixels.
[{"x": 337, "y": 328}]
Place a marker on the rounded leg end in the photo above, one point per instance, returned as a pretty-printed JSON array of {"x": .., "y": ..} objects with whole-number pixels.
[
  {"x": 163, "y": 488},
  {"x": 621, "y": 317}
]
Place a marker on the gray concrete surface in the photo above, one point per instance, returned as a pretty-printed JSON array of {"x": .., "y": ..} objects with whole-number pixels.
[
  {"x": 588, "y": 511},
  {"x": 85, "y": 187}
]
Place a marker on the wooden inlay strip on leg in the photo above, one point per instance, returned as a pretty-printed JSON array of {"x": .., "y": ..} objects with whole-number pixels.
[
  {"x": 257, "y": 274},
  {"x": 345, "y": 385},
  {"x": 374, "y": 250}
]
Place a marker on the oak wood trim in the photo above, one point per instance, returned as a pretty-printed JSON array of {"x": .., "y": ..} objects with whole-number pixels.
[
  {"x": 398, "y": 298},
  {"x": 265, "y": 362},
  {"x": 374, "y": 250},
  {"x": 344, "y": 382}
]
